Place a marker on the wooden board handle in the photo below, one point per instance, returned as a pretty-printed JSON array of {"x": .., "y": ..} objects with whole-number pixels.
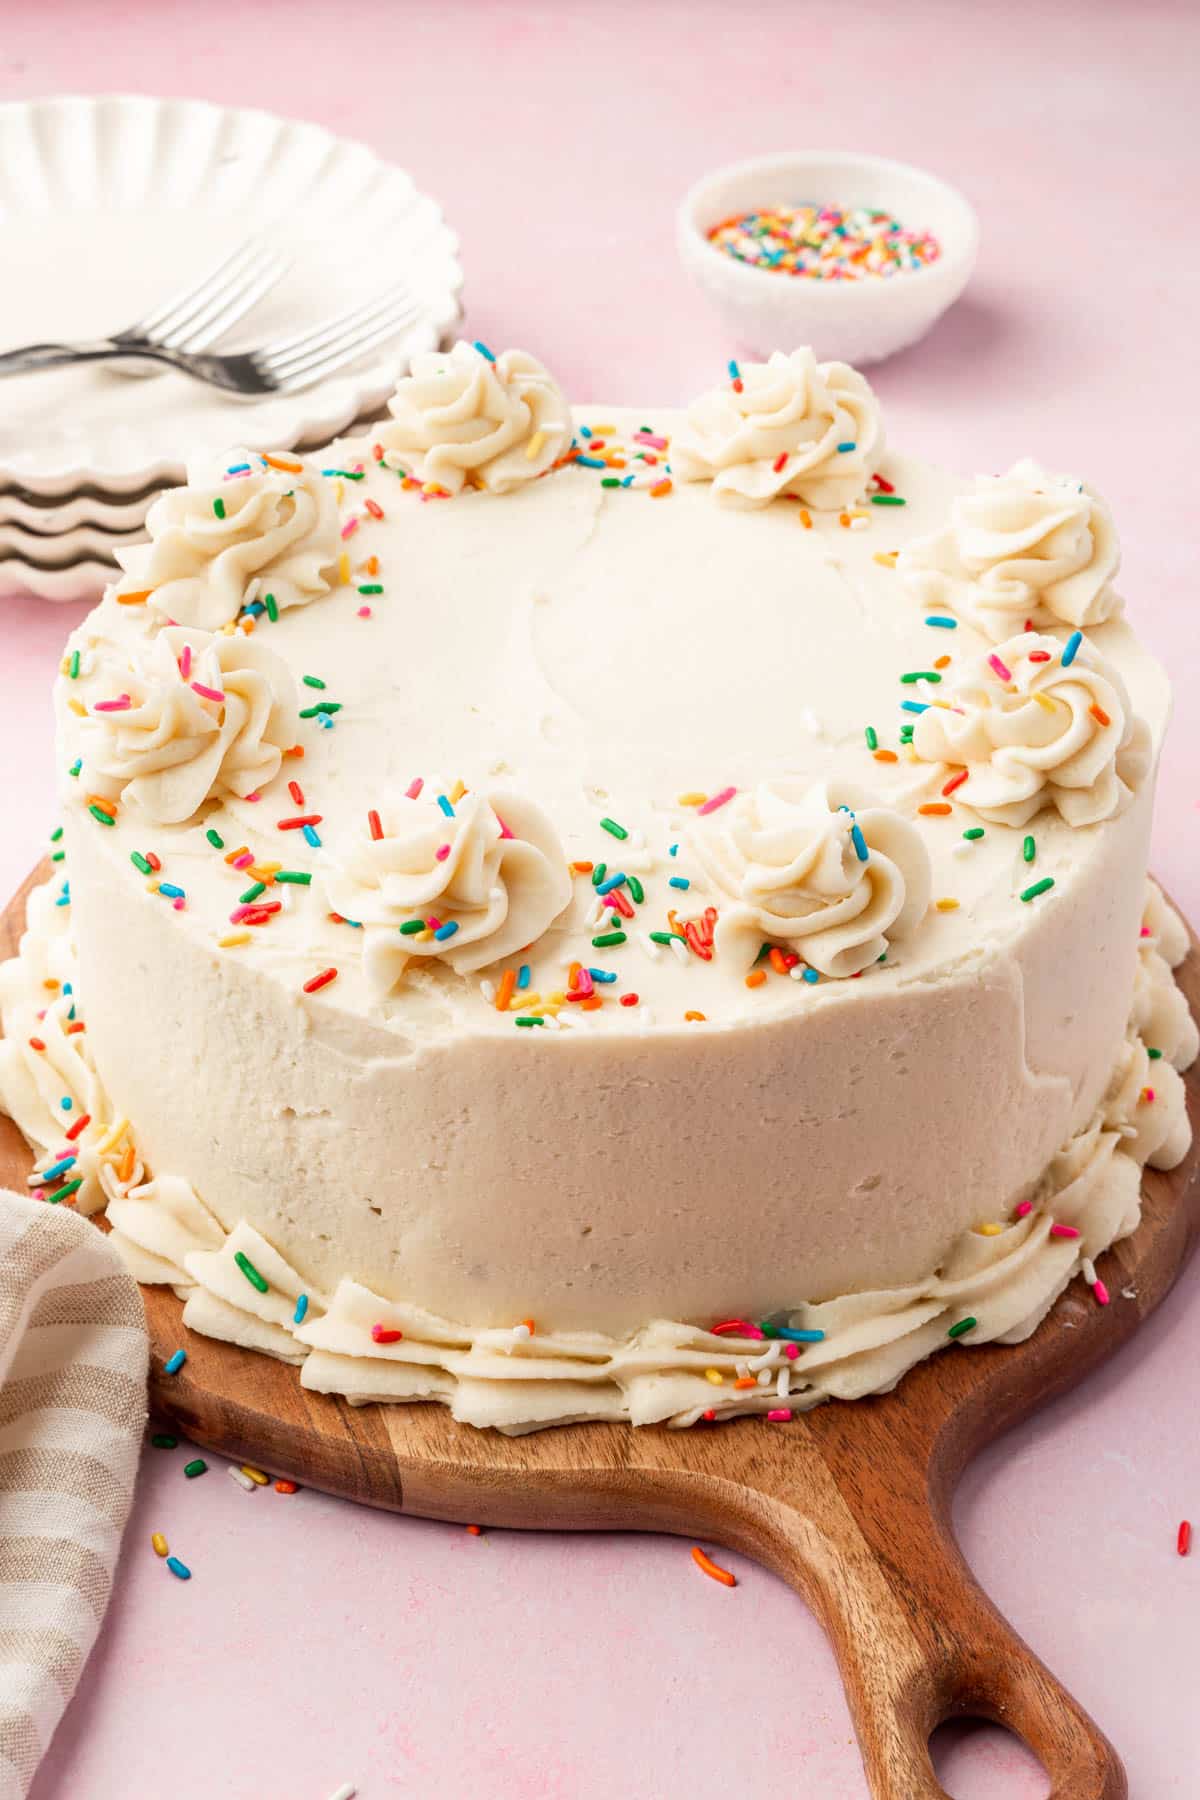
[{"x": 922, "y": 1643}]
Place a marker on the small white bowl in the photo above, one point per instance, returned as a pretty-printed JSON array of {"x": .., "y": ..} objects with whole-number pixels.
[{"x": 850, "y": 321}]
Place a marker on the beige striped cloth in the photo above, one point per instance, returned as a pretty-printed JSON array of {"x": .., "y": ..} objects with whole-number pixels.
[{"x": 73, "y": 1356}]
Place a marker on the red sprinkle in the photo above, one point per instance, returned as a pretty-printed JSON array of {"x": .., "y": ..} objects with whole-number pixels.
[
  {"x": 298, "y": 823},
  {"x": 154, "y": 861},
  {"x": 1183, "y": 1542},
  {"x": 1039, "y": 656},
  {"x": 374, "y": 508},
  {"x": 629, "y": 999},
  {"x": 36, "y": 1044},
  {"x": 885, "y": 487},
  {"x": 374, "y": 826},
  {"x": 956, "y": 781},
  {"x": 81, "y": 1124},
  {"x": 315, "y": 982},
  {"x": 618, "y": 901},
  {"x": 384, "y": 1334},
  {"x": 285, "y": 1487},
  {"x": 297, "y": 792},
  {"x": 780, "y": 461}
]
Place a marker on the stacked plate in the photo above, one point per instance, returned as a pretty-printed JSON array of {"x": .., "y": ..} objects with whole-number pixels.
[{"x": 109, "y": 207}]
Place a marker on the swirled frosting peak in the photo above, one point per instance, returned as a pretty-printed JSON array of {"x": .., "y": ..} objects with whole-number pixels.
[
  {"x": 244, "y": 527},
  {"x": 787, "y": 426},
  {"x": 467, "y": 881},
  {"x": 189, "y": 715},
  {"x": 1026, "y": 546},
  {"x": 799, "y": 869},
  {"x": 1035, "y": 726},
  {"x": 464, "y": 416}
]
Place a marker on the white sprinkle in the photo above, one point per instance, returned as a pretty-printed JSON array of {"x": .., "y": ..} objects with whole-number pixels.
[
  {"x": 243, "y": 1481},
  {"x": 859, "y": 524},
  {"x": 653, "y": 950},
  {"x": 797, "y": 971},
  {"x": 679, "y": 950},
  {"x": 763, "y": 1378},
  {"x": 550, "y": 1022},
  {"x": 783, "y": 1386},
  {"x": 488, "y": 990},
  {"x": 1089, "y": 1271},
  {"x": 811, "y": 722},
  {"x": 347, "y": 1791}
]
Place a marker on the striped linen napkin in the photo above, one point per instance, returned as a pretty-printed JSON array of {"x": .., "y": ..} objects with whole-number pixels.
[{"x": 73, "y": 1354}]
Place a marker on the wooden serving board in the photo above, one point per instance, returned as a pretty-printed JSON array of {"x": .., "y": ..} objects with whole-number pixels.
[{"x": 849, "y": 1503}]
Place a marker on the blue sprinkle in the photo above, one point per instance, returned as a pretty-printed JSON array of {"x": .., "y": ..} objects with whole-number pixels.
[
  {"x": 324, "y": 721},
  {"x": 735, "y": 374},
  {"x": 602, "y": 974},
  {"x": 446, "y": 931},
  {"x": 844, "y": 447},
  {"x": 484, "y": 351},
  {"x": 256, "y": 609},
  {"x": 239, "y": 469},
  {"x": 585, "y": 431},
  {"x": 76, "y": 766},
  {"x": 1071, "y": 648},
  {"x": 523, "y": 976},
  {"x": 66, "y": 1103},
  {"x": 172, "y": 892},
  {"x": 178, "y": 1568},
  {"x": 946, "y": 624},
  {"x": 445, "y": 806},
  {"x": 679, "y": 881},
  {"x": 859, "y": 842},
  {"x": 64, "y": 1162},
  {"x": 812, "y": 976},
  {"x": 799, "y": 1337},
  {"x": 175, "y": 1362},
  {"x": 614, "y": 881},
  {"x": 916, "y": 706},
  {"x": 301, "y": 1309},
  {"x": 310, "y": 837},
  {"x": 628, "y": 481},
  {"x": 67, "y": 988},
  {"x": 591, "y": 462},
  {"x": 674, "y": 850}
]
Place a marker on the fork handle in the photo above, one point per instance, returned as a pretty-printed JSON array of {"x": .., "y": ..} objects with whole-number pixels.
[{"x": 31, "y": 358}]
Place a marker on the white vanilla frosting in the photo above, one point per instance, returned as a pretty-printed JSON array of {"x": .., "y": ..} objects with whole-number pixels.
[
  {"x": 554, "y": 1174},
  {"x": 1032, "y": 733},
  {"x": 465, "y": 416},
  {"x": 1025, "y": 549},
  {"x": 486, "y": 872},
  {"x": 787, "y": 426},
  {"x": 185, "y": 716},
  {"x": 244, "y": 526},
  {"x": 804, "y": 870}
]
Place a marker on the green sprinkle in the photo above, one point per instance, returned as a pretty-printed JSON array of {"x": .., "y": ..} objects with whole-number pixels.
[
  {"x": 295, "y": 877},
  {"x": 250, "y": 1272},
  {"x": 920, "y": 675},
  {"x": 618, "y": 831},
  {"x": 64, "y": 1192},
  {"x": 162, "y": 1440},
  {"x": 55, "y": 835},
  {"x": 139, "y": 862},
  {"x": 410, "y": 926},
  {"x": 326, "y": 706},
  {"x": 74, "y": 669},
  {"x": 872, "y": 737},
  {"x": 975, "y": 832},
  {"x": 59, "y": 856},
  {"x": 1153, "y": 1054},
  {"x": 598, "y": 873},
  {"x": 667, "y": 937},
  {"x": 312, "y": 681},
  {"x": 611, "y": 481},
  {"x": 252, "y": 892},
  {"x": 219, "y": 507},
  {"x": 1029, "y": 849},
  {"x": 636, "y": 889},
  {"x": 956, "y": 1331},
  {"x": 272, "y": 607},
  {"x": 215, "y": 839},
  {"x": 1039, "y": 887},
  {"x": 607, "y": 939},
  {"x": 197, "y": 1466},
  {"x": 528, "y": 1021},
  {"x": 75, "y": 766},
  {"x": 100, "y": 816},
  {"x": 371, "y": 587},
  {"x": 887, "y": 500}
]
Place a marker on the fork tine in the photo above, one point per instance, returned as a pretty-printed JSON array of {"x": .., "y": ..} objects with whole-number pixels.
[
  {"x": 288, "y": 350},
  {"x": 347, "y": 343},
  {"x": 259, "y": 278},
  {"x": 180, "y": 308},
  {"x": 311, "y": 372}
]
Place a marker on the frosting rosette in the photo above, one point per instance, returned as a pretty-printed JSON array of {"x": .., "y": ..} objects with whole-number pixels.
[
  {"x": 1033, "y": 730},
  {"x": 465, "y": 417},
  {"x": 467, "y": 882},
  {"x": 835, "y": 885},
  {"x": 795, "y": 426},
  {"x": 188, "y": 716},
  {"x": 244, "y": 527},
  {"x": 1025, "y": 546}
]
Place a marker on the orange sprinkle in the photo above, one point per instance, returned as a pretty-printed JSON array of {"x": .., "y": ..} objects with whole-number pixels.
[
  {"x": 593, "y": 1003},
  {"x": 76, "y": 1025},
  {"x": 806, "y": 518},
  {"x": 711, "y": 1568},
  {"x": 583, "y": 868},
  {"x": 661, "y": 487},
  {"x": 475, "y": 1530},
  {"x": 504, "y": 992},
  {"x": 886, "y": 756},
  {"x": 106, "y": 806},
  {"x": 280, "y": 462},
  {"x": 756, "y": 978},
  {"x": 285, "y": 1487},
  {"x": 372, "y": 562},
  {"x": 125, "y": 1167},
  {"x": 745, "y": 1381},
  {"x": 530, "y": 1327},
  {"x": 231, "y": 856},
  {"x": 296, "y": 750},
  {"x": 138, "y": 599},
  {"x": 934, "y": 808},
  {"x": 778, "y": 960},
  {"x": 702, "y": 1018},
  {"x": 844, "y": 519},
  {"x": 941, "y": 662},
  {"x": 1098, "y": 713}
]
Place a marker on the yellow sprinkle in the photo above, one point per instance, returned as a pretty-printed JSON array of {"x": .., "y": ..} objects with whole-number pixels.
[
  {"x": 990, "y": 1230},
  {"x": 1045, "y": 702},
  {"x": 344, "y": 568},
  {"x": 422, "y": 937},
  {"x": 886, "y": 557},
  {"x": 233, "y": 938},
  {"x": 603, "y": 430},
  {"x": 160, "y": 1544},
  {"x": 534, "y": 445},
  {"x": 456, "y": 792},
  {"x": 77, "y": 706},
  {"x": 557, "y": 999},
  {"x": 715, "y": 1376},
  {"x": 524, "y": 1002},
  {"x": 946, "y": 905},
  {"x": 255, "y": 1475},
  {"x": 112, "y": 1137},
  {"x": 692, "y": 798},
  {"x": 339, "y": 491}
]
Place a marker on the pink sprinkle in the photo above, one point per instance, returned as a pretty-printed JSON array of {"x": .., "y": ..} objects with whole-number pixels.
[
  {"x": 251, "y": 796},
  {"x": 791, "y": 1351},
  {"x": 998, "y": 668},
  {"x": 648, "y": 437},
  {"x": 1063, "y": 1231},
  {"x": 121, "y": 705},
  {"x": 1148, "y": 1096},
  {"x": 185, "y": 662},
  {"x": 721, "y": 799},
  {"x": 586, "y": 986},
  {"x": 442, "y": 852},
  {"x": 364, "y": 612},
  {"x": 1145, "y": 931},
  {"x": 413, "y": 789},
  {"x": 349, "y": 528},
  {"x": 239, "y": 913},
  {"x": 243, "y": 862},
  {"x": 1100, "y": 1291},
  {"x": 779, "y": 1415},
  {"x": 207, "y": 693},
  {"x": 504, "y": 831},
  {"x": 179, "y": 905},
  {"x": 432, "y": 923},
  {"x": 1025, "y": 1208}
]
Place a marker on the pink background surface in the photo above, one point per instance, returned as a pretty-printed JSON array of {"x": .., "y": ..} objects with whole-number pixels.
[{"x": 319, "y": 1642}]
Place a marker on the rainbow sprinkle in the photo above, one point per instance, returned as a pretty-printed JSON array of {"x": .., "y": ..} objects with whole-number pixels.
[{"x": 825, "y": 243}]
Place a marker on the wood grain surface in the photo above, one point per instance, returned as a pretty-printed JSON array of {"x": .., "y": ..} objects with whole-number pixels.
[{"x": 849, "y": 1503}]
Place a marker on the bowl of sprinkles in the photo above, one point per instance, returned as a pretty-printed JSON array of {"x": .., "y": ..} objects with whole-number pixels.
[{"x": 856, "y": 255}]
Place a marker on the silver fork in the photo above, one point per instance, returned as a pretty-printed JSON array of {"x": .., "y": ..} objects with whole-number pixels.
[{"x": 282, "y": 367}]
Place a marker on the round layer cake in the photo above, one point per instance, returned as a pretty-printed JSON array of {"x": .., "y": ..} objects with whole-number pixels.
[{"x": 612, "y": 914}]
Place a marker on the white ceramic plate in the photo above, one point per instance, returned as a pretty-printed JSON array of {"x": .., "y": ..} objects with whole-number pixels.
[
  {"x": 110, "y": 205},
  {"x": 88, "y": 507},
  {"x": 78, "y": 581},
  {"x": 60, "y": 547}
]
